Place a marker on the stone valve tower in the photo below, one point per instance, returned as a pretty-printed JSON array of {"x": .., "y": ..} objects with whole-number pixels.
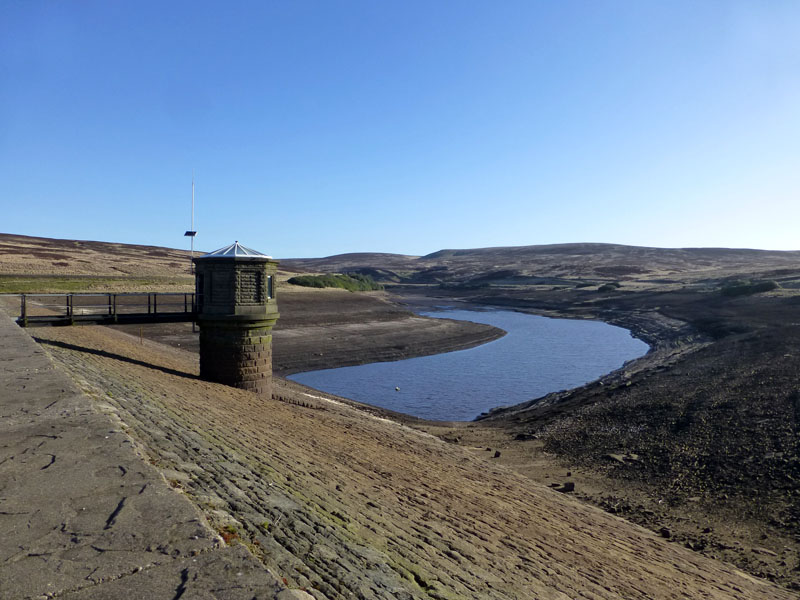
[{"x": 236, "y": 310}]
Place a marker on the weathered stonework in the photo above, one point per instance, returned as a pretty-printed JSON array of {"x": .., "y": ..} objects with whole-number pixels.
[
  {"x": 236, "y": 312},
  {"x": 238, "y": 354}
]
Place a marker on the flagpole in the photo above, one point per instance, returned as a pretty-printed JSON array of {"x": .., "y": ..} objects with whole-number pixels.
[
  {"x": 192, "y": 250},
  {"x": 191, "y": 233}
]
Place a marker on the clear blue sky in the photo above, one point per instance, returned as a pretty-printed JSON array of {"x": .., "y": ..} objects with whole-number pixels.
[{"x": 320, "y": 127}]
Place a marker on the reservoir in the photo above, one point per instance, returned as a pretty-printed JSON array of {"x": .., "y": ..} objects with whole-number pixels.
[{"x": 538, "y": 355}]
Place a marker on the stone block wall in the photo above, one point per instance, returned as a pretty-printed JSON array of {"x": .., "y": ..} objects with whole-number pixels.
[
  {"x": 237, "y": 310},
  {"x": 250, "y": 286},
  {"x": 237, "y": 354}
]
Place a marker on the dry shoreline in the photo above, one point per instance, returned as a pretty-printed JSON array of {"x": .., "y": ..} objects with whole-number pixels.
[{"x": 316, "y": 332}]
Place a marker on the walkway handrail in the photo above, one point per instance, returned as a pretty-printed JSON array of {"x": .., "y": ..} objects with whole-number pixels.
[{"x": 87, "y": 307}]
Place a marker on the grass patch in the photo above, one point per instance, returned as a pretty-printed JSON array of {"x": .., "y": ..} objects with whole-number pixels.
[
  {"x": 352, "y": 282},
  {"x": 609, "y": 287},
  {"x": 747, "y": 287},
  {"x": 230, "y": 534},
  {"x": 718, "y": 328}
]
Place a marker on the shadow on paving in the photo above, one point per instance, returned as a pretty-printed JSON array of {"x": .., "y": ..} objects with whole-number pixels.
[{"x": 114, "y": 356}]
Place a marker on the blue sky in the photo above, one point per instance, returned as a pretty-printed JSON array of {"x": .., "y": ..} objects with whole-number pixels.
[{"x": 321, "y": 127}]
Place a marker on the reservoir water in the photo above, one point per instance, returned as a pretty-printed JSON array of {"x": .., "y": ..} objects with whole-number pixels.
[{"x": 537, "y": 356}]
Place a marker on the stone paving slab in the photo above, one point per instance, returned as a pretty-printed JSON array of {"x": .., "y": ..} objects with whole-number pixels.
[
  {"x": 82, "y": 515},
  {"x": 226, "y": 575}
]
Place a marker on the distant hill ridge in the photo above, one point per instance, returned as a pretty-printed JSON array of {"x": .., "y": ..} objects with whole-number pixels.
[
  {"x": 596, "y": 247},
  {"x": 594, "y": 261},
  {"x": 37, "y": 255}
]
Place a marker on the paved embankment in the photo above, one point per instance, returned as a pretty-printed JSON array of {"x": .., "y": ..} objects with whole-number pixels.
[
  {"x": 351, "y": 506},
  {"x": 82, "y": 515}
]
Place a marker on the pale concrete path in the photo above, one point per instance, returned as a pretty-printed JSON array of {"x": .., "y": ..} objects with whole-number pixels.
[{"x": 82, "y": 515}]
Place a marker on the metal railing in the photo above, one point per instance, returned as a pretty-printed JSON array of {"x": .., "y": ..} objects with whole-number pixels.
[{"x": 108, "y": 308}]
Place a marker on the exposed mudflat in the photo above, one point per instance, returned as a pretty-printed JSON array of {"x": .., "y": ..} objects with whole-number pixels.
[{"x": 319, "y": 329}]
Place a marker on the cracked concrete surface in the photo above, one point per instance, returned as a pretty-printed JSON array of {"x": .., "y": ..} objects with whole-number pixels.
[{"x": 82, "y": 515}]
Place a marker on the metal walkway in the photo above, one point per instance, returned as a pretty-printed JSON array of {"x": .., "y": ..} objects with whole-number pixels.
[{"x": 105, "y": 309}]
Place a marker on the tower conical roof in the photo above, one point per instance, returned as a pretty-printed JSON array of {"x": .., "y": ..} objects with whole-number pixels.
[{"x": 235, "y": 250}]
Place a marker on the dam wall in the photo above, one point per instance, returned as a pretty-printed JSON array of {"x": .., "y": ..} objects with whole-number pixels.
[{"x": 83, "y": 515}]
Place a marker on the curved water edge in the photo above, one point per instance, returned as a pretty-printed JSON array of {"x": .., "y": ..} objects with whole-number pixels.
[{"x": 539, "y": 355}]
